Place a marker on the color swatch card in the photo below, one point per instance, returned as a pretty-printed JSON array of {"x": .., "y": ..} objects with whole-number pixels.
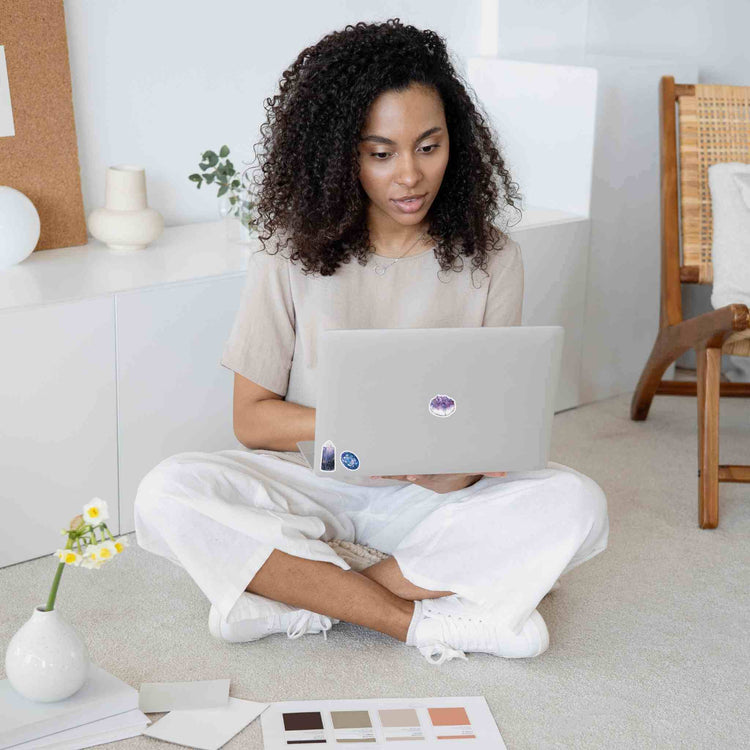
[{"x": 444, "y": 723}]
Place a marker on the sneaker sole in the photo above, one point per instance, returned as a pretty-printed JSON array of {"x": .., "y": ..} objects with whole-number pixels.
[{"x": 542, "y": 634}]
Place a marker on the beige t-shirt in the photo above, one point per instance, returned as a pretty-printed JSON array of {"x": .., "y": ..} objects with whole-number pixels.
[{"x": 282, "y": 311}]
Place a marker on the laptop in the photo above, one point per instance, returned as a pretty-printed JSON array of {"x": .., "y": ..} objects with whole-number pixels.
[{"x": 433, "y": 401}]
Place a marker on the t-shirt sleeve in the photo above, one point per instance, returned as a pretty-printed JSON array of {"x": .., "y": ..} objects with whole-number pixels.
[
  {"x": 260, "y": 346},
  {"x": 505, "y": 293}
]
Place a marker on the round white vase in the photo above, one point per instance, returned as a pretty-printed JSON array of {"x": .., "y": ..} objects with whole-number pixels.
[
  {"x": 19, "y": 226},
  {"x": 47, "y": 660},
  {"x": 126, "y": 222}
]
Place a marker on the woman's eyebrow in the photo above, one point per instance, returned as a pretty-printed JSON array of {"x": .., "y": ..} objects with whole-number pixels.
[{"x": 389, "y": 142}]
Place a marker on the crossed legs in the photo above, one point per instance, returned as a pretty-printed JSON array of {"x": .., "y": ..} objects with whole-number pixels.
[{"x": 378, "y": 597}]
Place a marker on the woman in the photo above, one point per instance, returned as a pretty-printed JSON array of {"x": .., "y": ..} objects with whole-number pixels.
[{"x": 374, "y": 152}]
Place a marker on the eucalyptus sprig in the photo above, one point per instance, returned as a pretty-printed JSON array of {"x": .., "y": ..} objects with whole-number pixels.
[{"x": 218, "y": 169}]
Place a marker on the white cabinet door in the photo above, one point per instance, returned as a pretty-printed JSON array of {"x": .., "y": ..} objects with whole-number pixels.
[
  {"x": 173, "y": 394},
  {"x": 58, "y": 427}
]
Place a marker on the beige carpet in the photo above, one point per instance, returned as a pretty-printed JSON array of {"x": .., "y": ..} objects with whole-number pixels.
[{"x": 649, "y": 640}]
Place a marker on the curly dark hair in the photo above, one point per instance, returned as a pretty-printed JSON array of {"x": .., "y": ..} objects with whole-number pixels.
[{"x": 318, "y": 203}]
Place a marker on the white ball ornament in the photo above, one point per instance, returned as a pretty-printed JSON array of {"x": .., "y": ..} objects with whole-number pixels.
[{"x": 19, "y": 227}]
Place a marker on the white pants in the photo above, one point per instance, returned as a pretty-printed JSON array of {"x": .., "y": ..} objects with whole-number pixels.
[{"x": 501, "y": 543}]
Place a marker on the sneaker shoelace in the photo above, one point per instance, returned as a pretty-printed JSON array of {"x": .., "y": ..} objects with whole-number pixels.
[
  {"x": 473, "y": 633},
  {"x": 442, "y": 650},
  {"x": 301, "y": 622}
]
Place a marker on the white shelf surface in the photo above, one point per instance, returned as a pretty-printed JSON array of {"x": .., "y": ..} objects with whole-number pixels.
[
  {"x": 182, "y": 253},
  {"x": 187, "y": 252}
]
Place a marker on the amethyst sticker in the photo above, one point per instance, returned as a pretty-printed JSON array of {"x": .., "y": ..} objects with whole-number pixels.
[
  {"x": 442, "y": 405},
  {"x": 328, "y": 456}
]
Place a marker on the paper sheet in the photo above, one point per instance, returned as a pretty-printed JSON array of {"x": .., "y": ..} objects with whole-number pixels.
[
  {"x": 7, "y": 127},
  {"x": 446, "y": 723},
  {"x": 119, "y": 726},
  {"x": 207, "y": 728},
  {"x": 155, "y": 697}
]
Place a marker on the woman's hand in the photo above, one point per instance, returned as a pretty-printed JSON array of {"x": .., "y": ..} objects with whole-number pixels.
[{"x": 442, "y": 483}]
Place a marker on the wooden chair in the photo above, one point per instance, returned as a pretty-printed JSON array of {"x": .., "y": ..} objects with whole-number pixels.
[{"x": 714, "y": 126}]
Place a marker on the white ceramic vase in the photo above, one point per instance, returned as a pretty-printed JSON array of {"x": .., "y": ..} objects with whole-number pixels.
[
  {"x": 126, "y": 222},
  {"x": 47, "y": 660},
  {"x": 19, "y": 226}
]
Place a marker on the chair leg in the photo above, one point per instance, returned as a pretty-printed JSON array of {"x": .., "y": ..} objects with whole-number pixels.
[
  {"x": 653, "y": 371},
  {"x": 708, "y": 379}
]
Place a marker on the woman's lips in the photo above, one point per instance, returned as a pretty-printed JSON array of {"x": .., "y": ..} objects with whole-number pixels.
[{"x": 411, "y": 206}]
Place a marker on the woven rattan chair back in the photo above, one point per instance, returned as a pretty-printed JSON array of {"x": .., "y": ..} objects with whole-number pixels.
[{"x": 713, "y": 126}]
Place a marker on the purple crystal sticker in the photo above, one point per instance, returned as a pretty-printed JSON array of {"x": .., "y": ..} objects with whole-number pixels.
[
  {"x": 442, "y": 405},
  {"x": 349, "y": 460},
  {"x": 328, "y": 456}
]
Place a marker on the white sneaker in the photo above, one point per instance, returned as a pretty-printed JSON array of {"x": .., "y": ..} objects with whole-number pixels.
[
  {"x": 446, "y": 628},
  {"x": 254, "y": 617}
]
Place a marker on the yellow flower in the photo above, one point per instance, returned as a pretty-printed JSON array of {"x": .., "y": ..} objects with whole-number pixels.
[
  {"x": 107, "y": 550},
  {"x": 120, "y": 544},
  {"x": 96, "y": 511},
  {"x": 68, "y": 556}
]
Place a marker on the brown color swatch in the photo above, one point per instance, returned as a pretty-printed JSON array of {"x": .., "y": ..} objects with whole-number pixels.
[
  {"x": 303, "y": 720},
  {"x": 350, "y": 719}
]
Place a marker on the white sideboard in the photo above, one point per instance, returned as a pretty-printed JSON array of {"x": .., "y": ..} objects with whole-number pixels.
[{"x": 110, "y": 363}]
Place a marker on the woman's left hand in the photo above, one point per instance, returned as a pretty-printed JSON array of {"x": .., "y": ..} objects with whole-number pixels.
[{"x": 442, "y": 483}]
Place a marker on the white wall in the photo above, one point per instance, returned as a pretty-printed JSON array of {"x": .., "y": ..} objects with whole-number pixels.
[
  {"x": 631, "y": 43},
  {"x": 158, "y": 83},
  {"x": 155, "y": 83}
]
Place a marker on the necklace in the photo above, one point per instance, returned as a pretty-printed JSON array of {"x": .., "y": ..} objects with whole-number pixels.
[{"x": 380, "y": 270}]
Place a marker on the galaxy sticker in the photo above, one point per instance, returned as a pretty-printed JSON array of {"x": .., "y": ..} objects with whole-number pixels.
[
  {"x": 442, "y": 405},
  {"x": 328, "y": 456},
  {"x": 349, "y": 460}
]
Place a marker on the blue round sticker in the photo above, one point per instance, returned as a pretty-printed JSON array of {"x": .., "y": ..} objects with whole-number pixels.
[{"x": 349, "y": 460}]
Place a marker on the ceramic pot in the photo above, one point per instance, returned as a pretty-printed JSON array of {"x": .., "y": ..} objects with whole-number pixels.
[
  {"x": 126, "y": 222},
  {"x": 19, "y": 226},
  {"x": 47, "y": 659}
]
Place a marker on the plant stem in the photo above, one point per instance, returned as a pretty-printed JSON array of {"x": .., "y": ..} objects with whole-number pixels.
[{"x": 56, "y": 581}]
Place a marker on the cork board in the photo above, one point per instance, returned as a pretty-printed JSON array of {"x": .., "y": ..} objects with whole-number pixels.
[{"x": 41, "y": 159}]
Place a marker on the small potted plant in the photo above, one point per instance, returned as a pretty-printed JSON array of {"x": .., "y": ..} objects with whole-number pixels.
[
  {"x": 47, "y": 660},
  {"x": 235, "y": 191}
]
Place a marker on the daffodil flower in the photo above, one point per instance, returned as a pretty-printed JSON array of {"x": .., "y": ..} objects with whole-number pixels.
[
  {"x": 95, "y": 512},
  {"x": 90, "y": 553}
]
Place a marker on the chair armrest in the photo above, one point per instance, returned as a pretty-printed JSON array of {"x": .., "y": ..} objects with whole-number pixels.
[{"x": 709, "y": 329}]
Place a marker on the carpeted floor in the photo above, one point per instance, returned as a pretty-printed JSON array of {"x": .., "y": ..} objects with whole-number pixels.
[{"x": 649, "y": 640}]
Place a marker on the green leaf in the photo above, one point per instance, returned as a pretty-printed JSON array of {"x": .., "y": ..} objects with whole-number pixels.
[
  {"x": 203, "y": 166},
  {"x": 210, "y": 178},
  {"x": 195, "y": 177},
  {"x": 224, "y": 152},
  {"x": 233, "y": 199},
  {"x": 235, "y": 183},
  {"x": 230, "y": 166},
  {"x": 212, "y": 159},
  {"x": 222, "y": 191}
]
